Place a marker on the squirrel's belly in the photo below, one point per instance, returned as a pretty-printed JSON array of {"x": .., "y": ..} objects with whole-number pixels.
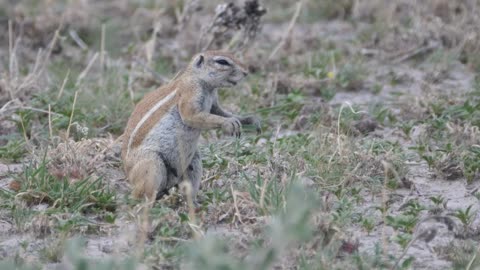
[{"x": 173, "y": 140}]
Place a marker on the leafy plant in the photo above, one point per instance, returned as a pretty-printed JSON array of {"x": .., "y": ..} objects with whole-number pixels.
[
  {"x": 465, "y": 216},
  {"x": 404, "y": 223},
  {"x": 13, "y": 151}
]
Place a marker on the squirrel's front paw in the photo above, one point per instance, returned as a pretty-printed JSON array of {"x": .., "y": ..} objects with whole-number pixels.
[
  {"x": 254, "y": 121},
  {"x": 232, "y": 126}
]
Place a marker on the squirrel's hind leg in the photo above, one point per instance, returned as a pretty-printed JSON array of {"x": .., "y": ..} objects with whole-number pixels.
[
  {"x": 148, "y": 176},
  {"x": 194, "y": 174}
]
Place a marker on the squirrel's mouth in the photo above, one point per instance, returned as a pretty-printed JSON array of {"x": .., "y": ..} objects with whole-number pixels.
[{"x": 232, "y": 82}]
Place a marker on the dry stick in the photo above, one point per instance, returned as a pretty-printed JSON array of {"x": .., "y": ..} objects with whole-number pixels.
[
  {"x": 288, "y": 34},
  {"x": 63, "y": 85},
  {"x": 39, "y": 65},
  {"x": 24, "y": 132},
  {"x": 415, "y": 52},
  {"x": 85, "y": 71},
  {"x": 183, "y": 16},
  {"x": 404, "y": 252},
  {"x": 150, "y": 46},
  {"x": 262, "y": 193},
  {"x": 78, "y": 40},
  {"x": 49, "y": 52},
  {"x": 10, "y": 55},
  {"x": 102, "y": 48},
  {"x": 234, "y": 195},
  {"x": 71, "y": 115},
  {"x": 129, "y": 88},
  {"x": 339, "y": 143},
  {"x": 38, "y": 59},
  {"x": 10, "y": 46},
  {"x": 34, "y": 109},
  {"x": 334, "y": 66},
  {"x": 469, "y": 266},
  {"x": 144, "y": 227},
  {"x": 234, "y": 40},
  {"x": 384, "y": 206},
  {"x": 50, "y": 121}
]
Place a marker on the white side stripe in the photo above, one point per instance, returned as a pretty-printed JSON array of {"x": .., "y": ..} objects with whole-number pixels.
[{"x": 147, "y": 115}]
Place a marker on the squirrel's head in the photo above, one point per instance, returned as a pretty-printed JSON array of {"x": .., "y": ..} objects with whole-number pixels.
[{"x": 218, "y": 69}]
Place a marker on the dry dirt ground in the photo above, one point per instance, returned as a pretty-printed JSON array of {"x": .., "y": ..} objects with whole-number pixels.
[{"x": 369, "y": 156}]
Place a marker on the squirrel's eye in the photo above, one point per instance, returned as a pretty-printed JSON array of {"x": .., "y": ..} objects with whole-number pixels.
[{"x": 223, "y": 62}]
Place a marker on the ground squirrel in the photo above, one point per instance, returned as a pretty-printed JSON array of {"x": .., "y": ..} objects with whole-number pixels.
[{"x": 160, "y": 141}]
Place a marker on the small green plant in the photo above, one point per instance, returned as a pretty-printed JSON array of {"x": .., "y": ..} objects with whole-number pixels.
[
  {"x": 343, "y": 211},
  {"x": 377, "y": 88},
  {"x": 438, "y": 200},
  {"x": 351, "y": 75},
  {"x": 382, "y": 114},
  {"x": 413, "y": 208},
  {"x": 21, "y": 215},
  {"x": 53, "y": 252},
  {"x": 24, "y": 122},
  {"x": 407, "y": 127},
  {"x": 403, "y": 239},
  {"x": 471, "y": 163},
  {"x": 269, "y": 195},
  {"x": 405, "y": 223},
  {"x": 368, "y": 224},
  {"x": 465, "y": 216},
  {"x": 13, "y": 151},
  {"x": 430, "y": 160},
  {"x": 217, "y": 195},
  {"x": 463, "y": 254}
]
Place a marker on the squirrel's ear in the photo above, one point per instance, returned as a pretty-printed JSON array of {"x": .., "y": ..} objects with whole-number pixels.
[{"x": 199, "y": 61}]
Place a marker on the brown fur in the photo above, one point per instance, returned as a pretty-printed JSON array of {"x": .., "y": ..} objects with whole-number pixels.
[{"x": 141, "y": 109}]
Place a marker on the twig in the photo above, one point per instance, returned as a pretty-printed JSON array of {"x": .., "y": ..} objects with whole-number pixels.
[
  {"x": 78, "y": 40},
  {"x": 415, "y": 52},
  {"x": 36, "y": 110},
  {"x": 469, "y": 266},
  {"x": 234, "y": 195},
  {"x": 129, "y": 88},
  {"x": 289, "y": 31},
  {"x": 262, "y": 193},
  {"x": 171, "y": 239},
  {"x": 384, "y": 207},
  {"x": 49, "y": 52},
  {"x": 85, "y": 71},
  {"x": 339, "y": 142},
  {"x": 11, "y": 55},
  {"x": 71, "y": 115},
  {"x": 5, "y": 109},
  {"x": 63, "y": 85},
  {"x": 334, "y": 66},
  {"x": 24, "y": 132},
  {"x": 10, "y": 47},
  {"x": 5, "y": 106},
  {"x": 102, "y": 48},
  {"x": 184, "y": 16},
  {"x": 50, "y": 121}
]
